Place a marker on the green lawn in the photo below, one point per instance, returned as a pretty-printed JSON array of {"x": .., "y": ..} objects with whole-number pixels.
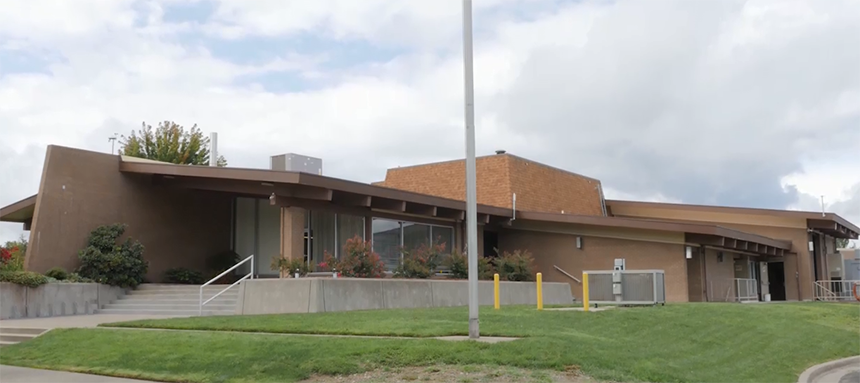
[{"x": 675, "y": 343}]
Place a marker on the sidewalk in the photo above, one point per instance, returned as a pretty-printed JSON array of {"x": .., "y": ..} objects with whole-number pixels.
[
  {"x": 75, "y": 321},
  {"x": 11, "y": 374},
  {"x": 845, "y": 370}
]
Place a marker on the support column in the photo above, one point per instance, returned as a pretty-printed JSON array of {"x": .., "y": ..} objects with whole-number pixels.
[
  {"x": 293, "y": 232},
  {"x": 368, "y": 228}
]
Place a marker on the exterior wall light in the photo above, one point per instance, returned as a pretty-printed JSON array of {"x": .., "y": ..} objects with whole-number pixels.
[
  {"x": 578, "y": 242},
  {"x": 272, "y": 199},
  {"x": 689, "y": 252}
]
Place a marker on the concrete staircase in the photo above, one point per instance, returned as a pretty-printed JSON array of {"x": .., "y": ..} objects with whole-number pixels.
[
  {"x": 179, "y": 300},
  {"x": 13, "y": 335}
]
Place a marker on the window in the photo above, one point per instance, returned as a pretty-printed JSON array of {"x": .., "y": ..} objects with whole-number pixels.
[
  {"x": 386, "y": 241},
  {"x": 443, "y": 235},
  {"x": 415, "y": 235},
  {"x": 322, "y": 235},
  {"x": 348, "y": 226},
  {"x": 390, "y": 236}
]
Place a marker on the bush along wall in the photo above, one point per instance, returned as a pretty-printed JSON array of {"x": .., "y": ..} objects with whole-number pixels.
[{"x": 104, "y": 260}]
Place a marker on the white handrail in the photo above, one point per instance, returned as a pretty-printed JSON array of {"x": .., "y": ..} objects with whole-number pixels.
[
  {"x": 568, "y": 274},
  {"x": 249, "y": 275}
]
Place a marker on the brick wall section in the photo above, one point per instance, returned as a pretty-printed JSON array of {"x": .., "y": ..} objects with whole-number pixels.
[
  {"x": 546, "y": 189},
  {"x": 599, "y": 253},
  {"x": 448, "y": 180},
  {"x": 539, "y": 187}
]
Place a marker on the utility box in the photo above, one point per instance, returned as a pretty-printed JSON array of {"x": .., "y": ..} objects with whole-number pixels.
[
  {"x": 634, "y": 287},
  {"x": 292, "y": 162}
]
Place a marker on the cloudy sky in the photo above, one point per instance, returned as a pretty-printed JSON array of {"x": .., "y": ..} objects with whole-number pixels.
[{"x": 745, "y": 103}]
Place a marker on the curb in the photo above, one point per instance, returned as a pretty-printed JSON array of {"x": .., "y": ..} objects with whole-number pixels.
[{"x": 816, "y": 371}]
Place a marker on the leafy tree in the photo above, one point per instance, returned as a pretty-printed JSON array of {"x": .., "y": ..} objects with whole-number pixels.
[
  {"x": 843, "y": 243},
  {"x": 169, "y": 142}
]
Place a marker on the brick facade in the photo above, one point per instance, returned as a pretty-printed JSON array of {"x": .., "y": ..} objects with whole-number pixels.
[{"x": 539, "y": 187}]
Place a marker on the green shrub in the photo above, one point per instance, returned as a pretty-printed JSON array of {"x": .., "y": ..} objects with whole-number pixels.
[
  {"x": 106, "y": 261},
  {"x": 458, "y": 264},
  {"x": 23, "y": 278},
  {"x": 516, "y": 266},
  {"x": 288, "y": 267},
  {"x": 359, "y": 260},
  {"x": 422, "y": 262},
  {"x": 12, "y": 255},
  {"x": 77, "y": 278},
  {"x": 183, "y": 276},
  {"x": 57, "y": 273}
]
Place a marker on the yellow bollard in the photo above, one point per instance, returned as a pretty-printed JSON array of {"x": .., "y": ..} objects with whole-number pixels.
[
  {"x": 496, "y": 291},
  {"x": 584, "y": 291},
  {"x": 540, "y": 291}
]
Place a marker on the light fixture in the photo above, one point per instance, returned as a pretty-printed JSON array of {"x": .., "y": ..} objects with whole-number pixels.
[
  {"x": 272, "y": 199},
  {"x": 689, "y": 252},
  {"x": 578, "y": 242},
  {"x": 811, "y": 246}
]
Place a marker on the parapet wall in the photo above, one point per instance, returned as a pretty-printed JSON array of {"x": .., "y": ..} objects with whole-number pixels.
[
  {"x": 311, "y": 295},
  {"x": 55, "y": 299}
]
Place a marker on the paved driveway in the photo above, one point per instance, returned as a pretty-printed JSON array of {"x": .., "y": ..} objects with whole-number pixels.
[{"x": 12, "y": 374}]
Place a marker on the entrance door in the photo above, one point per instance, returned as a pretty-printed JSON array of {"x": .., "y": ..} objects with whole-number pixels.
[
  {"x": 764, "y": 285},
  {"x": 776, "y": 279}
]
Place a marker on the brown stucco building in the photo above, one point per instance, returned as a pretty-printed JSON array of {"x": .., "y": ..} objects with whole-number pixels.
[{"x": 183, "y": 214}]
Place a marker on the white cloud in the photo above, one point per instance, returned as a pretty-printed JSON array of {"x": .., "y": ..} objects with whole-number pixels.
[{"x": 704, "y": 102}]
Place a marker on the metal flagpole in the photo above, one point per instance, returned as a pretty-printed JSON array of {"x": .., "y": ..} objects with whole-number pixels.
[{"x": 471, "y": 198}]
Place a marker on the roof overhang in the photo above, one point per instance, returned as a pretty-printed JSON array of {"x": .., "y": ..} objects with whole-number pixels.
[
  {"x": 702, "y": 234},
  {"x": 309, "y": 190},
  {"x": 834, "y": 225},
  {"x": 21, "y": 211}
]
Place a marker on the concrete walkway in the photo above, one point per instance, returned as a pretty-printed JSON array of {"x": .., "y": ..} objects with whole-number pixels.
[
  {"x": 77, "y": 321},
  {"x": 845, "y": 370},
  {"x": 11, "y": 374}
]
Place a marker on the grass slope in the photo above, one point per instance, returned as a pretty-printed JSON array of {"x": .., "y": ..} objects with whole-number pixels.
[{"x": 676, "y": 343}]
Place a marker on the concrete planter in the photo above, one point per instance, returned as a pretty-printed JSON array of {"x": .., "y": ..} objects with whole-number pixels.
[
  {"x": 310, "y": 295},
  {"x": 55, "y": 299}
]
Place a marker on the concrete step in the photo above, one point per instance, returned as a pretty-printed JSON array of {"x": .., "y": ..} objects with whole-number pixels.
[
  {"x": 4, "y": 343},
  {"x": 16, "y": 337},
  {"x": 176, "y": 301},
  {"x": 233, "y": 291},
  {"x": 22, "y": 330},
  {"x": 166, "y": 312},
  {"x": 166, "y": 306},
  {"x": 150, "y": 286}
]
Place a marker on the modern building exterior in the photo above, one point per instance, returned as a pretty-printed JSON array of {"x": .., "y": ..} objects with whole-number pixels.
[{"x": 183, "y": 214}]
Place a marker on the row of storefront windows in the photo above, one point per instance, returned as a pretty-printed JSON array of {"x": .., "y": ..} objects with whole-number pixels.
[{"x": 256, "y": 230}]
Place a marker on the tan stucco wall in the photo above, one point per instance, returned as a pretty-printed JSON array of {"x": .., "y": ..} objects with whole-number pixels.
[
  {"x": 798, "y": 266},
  {"x": 598, "y": 253},
  {"x": 82, "y": 190}
]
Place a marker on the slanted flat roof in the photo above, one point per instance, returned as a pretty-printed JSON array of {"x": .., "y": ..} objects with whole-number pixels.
[
  {"x": 21, "y": 211},
  {"x": 700, "y": 233},
  {"x": 830, "y": 223},
  {"x": 289, "y": 185}
]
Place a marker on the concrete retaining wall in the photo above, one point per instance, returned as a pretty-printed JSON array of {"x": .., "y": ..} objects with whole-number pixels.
[
  {"x": 55, "y": 299},
  {"x": 310, "y": 295}
]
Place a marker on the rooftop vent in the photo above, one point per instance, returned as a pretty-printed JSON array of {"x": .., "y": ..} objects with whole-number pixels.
[
  {"x": 293, "y": 162},
  {"x": 501, "y": 151}
]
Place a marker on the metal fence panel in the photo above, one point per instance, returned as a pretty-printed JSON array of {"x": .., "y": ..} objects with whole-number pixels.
[{"x": 637, "y": 287}]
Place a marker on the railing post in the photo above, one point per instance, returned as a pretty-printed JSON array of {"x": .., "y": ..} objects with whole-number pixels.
[{"x": 200, "y": 308}]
